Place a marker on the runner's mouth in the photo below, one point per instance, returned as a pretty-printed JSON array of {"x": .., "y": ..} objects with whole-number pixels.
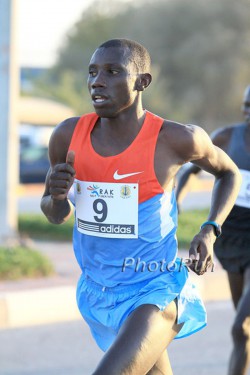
[{"x": 99, "y": 99}]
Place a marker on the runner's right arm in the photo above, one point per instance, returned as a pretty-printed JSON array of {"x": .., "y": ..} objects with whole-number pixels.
[{"x": 60, "y": 177}]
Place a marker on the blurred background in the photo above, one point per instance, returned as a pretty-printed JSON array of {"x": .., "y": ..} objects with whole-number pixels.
[{"x": 200, "y": 53}]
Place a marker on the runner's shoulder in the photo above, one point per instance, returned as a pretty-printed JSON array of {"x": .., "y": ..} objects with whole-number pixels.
[
  {"x": 185, "y": 139},
  {"x": 61, "y": 138},
  {"x": 63, "y": 132},
  {"x": 66, "y": 127}
]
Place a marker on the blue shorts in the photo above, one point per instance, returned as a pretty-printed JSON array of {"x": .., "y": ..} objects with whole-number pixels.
[{"x": 106, "y": 309}]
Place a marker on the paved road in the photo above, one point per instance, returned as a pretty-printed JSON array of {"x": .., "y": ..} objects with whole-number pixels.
[{"x": 68, "y": 348}]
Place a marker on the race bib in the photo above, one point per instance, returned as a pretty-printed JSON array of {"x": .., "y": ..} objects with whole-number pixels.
[
  {"x": 243, "y": 198},
  {"x": 106, "y": 209}
]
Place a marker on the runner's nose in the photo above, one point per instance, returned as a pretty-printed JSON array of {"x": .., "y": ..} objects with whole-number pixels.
[{"x": 98, "y": 80}]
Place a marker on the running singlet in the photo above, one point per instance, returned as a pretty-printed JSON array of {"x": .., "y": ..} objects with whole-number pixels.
[
  {"x": 237, "y": 222},
  {"x": 125, "y": 223}
]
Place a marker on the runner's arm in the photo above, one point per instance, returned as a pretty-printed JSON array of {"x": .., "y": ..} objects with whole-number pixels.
[
  {"x": 220, "y": 138},
  {"x": 60, "y": 177},
  {"x": 205, "y": 155}
]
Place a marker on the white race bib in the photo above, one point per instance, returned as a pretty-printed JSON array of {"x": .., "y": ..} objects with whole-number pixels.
[
  {"x": 243, "y": 198},
  {"x": 106, "y": 209}
]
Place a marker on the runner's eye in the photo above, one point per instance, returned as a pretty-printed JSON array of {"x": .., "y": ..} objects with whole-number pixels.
[
  {"x": 113, "y": 71},
  {"x": 92, "y": 73}
]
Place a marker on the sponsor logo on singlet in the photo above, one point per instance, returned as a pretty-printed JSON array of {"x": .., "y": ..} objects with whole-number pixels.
[{"x": 118, "y": 176}]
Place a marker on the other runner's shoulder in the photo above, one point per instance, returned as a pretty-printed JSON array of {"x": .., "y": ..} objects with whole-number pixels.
[{"x": 222, "y": 136}]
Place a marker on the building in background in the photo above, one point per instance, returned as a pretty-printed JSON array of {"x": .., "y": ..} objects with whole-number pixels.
[{"x": 37, "y": 119}]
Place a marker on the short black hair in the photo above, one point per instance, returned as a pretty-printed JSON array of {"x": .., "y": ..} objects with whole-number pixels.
[{"x": 138, "y": 53}]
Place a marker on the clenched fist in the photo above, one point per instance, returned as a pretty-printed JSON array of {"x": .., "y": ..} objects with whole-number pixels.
[{"x": 62, "y": 177}]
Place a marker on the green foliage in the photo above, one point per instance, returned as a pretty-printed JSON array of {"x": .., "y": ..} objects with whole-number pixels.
[
  {"x": 198, "y": 48},
  {"x": 68, "y": 88},
  {"x": 189, "y": 226},
  {"x": 19, "y": 262},
  {"x": 37, "y": 226}
]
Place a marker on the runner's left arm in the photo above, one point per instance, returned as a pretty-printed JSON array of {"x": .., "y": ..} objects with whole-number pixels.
[{"x": 205, "y": 155}]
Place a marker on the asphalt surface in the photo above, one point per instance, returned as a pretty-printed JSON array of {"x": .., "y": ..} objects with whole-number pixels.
[{"x": 68, "y": 349}]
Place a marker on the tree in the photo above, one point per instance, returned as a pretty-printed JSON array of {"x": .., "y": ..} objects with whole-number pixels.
[{"x": 198, "y": 49}]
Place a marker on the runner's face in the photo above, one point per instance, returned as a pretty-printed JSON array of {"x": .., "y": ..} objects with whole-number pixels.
[
  {"x": 246, "y": 106},
  {"x": 111, "y": 81}
]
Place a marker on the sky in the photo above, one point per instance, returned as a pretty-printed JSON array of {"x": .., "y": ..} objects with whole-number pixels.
[{"x": 42, "y": 26}]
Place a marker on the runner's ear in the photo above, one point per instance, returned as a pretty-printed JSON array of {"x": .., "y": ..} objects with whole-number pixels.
[{"x": 144, "y": 81}]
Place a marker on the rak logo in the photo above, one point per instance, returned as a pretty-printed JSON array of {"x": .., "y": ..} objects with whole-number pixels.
[{"x": 94, "y": 190}]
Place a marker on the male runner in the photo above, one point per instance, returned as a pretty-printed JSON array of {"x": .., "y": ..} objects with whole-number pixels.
[
  {"x": 233, "y": 247},
  {"x": 134, "y": 293}
]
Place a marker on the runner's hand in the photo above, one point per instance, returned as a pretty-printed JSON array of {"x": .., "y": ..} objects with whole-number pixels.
[
  {"x": 62, "y": 177},
  {"x": 201, "y": 251}
]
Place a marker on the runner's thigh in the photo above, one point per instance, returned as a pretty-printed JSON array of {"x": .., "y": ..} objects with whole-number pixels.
[{"x": 141, "y": 341}]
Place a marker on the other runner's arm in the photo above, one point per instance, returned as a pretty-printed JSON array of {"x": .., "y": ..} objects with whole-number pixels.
[{"x": 183, "y": 179}]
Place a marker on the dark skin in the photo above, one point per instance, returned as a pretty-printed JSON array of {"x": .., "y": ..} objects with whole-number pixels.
[
  {"x": 239, "y": 282},
  {"x": 116, "y": 87}
]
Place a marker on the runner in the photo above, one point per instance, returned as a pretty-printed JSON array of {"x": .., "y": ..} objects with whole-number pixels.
[
  {"x": 134, "y": 293},
  {"x": 233, "y": 247}
]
